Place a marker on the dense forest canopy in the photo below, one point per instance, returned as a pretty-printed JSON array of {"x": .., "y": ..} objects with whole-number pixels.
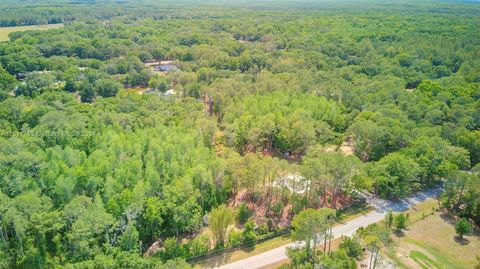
[
  {"x": 28, "y": 12},
  {"x": 351, "y": 95}
]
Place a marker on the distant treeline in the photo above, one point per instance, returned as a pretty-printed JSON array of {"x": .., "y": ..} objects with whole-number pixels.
[{"x": 23, "y": 13}]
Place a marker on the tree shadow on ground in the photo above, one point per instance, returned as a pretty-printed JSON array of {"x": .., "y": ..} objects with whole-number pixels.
[
  {"x": 399, "y": 233},
  {"x": 461, "y": 240},
  {"x": 448, "y": 218}
]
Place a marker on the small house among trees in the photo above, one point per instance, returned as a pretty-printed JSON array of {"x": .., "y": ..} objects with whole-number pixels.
[
  {"x": 165, "y": 68},
  {"x": 161, "y": 66}
]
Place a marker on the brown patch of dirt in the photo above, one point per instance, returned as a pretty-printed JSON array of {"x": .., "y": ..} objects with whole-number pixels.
[
  {"x": 286, "y": 217},
  {"x": 153, "y": 248},
  {"x": 347, "y": 147},
  {"x": 260, "y": 208}
]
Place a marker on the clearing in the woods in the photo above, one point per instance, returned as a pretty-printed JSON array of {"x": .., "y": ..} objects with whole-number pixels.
[
  {"x": 431, "y": 242},
  {"x": 5, "y": 31}
]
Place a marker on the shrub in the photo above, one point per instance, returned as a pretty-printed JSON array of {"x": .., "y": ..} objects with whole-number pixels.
[
  {"x": 277, "y": 209},
  {"x": 249, "y": 235},
  {"x": 401, "y": 221},
  {"x": 171, "y": 249},
  {"x": 244, "y": 213},
  {"x": 271, "y": 225},
  {"x": 463, "y": 227},
  {"x": 198, "y": 246},
  {"x": 262, "y": 229},
  {"x": 235, "y": 238},
  {"x": 352, "y": 247},
  {"x": 298, "y": 205}
]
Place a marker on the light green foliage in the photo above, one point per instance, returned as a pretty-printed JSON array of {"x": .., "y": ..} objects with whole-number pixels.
[
  {"x": 249, "y": 236},
  {"x": 94, "y": 222},
  {"x": 158, "y": 82},
  {"x": 389, "y": 219},
  {"x": 374, "y": 237},
  {"x": 352, "y": 247},
  {"x": 91, "y": 182},
  {"x": 463, "y": 227},
  {"x": 299, "y": 258},
  {"x": 436, "y": 158},
  {"x": 235, "y": 238},
  {"x": 337, "y": 259},
  {"x": 36, "y": 83},
  {"x": 129, "y": 239},
  {"x": 283, "y": 120},
  {"x": 219, "y": 221},
  {"x": 171, "y": 249},
  {"x": 200, "y": 245},
  {"x": 328, "y": 172},
  {"x": 462, "y": 187},
  {"x": 395, "y": 175},
  {"x": 401, "y": 221},
  {"x": 310, "y": 225}
]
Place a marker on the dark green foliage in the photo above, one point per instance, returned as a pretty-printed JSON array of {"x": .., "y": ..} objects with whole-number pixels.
[
  {"x": 107, "y": 88},
  {"x": 243, "y": 213},
  {"x": 7, "y": 83},
  {"x": 86, "y": 91},
  {"x": 70, "y": 86}
]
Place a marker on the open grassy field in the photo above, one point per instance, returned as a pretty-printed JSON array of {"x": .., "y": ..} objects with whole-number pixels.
[
  {"x": 5, "y": 31},
  {"x": 431, "y": 243}
]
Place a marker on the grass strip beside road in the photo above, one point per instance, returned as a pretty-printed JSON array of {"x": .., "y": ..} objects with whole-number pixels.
[
  {"x": 232, "y": 256},
  {"x": 353, "y": 212}
]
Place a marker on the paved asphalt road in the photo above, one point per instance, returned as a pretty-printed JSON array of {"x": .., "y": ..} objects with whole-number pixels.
[{"x": 346, "y": 229}]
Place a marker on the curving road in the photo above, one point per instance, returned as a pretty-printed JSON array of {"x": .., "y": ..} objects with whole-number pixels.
[{"x": 345, "y": 229}]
